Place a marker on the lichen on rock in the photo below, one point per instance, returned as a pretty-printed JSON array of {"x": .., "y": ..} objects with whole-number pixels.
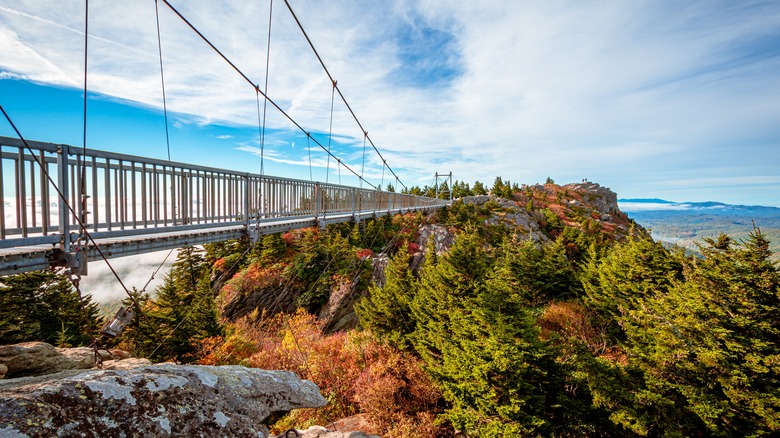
[{"x": 158, "y": 400}]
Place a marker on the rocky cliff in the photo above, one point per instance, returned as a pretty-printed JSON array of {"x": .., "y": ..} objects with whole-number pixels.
[
  {"x": 158, "y": 400},
  {"x": 531, "y": 212},
  {"x": 536, "y": 212}
]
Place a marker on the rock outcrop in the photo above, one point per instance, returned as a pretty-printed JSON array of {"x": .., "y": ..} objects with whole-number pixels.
[
  {"x": 600, "y": 198},
  {"x": 157, "y": 400},
  {"x": 32, "y": 359},
  {"x": 321, "y": 432},
  {"x": 40, "y": 358},
  {"x": 578, "y": 205},
  {"x": 441, "y": 235},
  {"x": 339, "y": 313}
]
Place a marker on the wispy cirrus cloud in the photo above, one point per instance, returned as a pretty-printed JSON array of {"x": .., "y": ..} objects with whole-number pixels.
[{"x": 633, "y": 95}]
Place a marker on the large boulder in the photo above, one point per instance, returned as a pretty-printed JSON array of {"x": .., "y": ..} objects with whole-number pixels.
[
  {"x": 339, "y": 312},
  {"x": 321, "y": 432},
  {"x": 158, "y": 400},
  {"x": 40, "y": 358},
  {"x": 601, "y": 199},
  {"x": 441, "y": 235},
  {"x": 33, "y": 359}
]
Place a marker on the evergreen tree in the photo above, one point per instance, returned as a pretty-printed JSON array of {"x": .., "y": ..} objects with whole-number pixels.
[
  {"x": 479, "y": 189},
  {"x": 386, "y": 310},
  {"x": 44, "y": 306},
  {"x": 140, "y": 336},
  {"x": 539, "y": 274},
  {"x": 710, "y": 343},
  {"x": 498, "y": 187},
  {"x": 182, "y": 313},
  {"x": 274, "y": 249},
  {"x": 631, "y": 272},
  {"x": 480, "y": 343}
]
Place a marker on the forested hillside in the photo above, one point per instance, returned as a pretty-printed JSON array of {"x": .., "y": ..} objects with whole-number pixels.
[
  {"x": 687, "y": 224},
  {"x": 539, "y": 311}
]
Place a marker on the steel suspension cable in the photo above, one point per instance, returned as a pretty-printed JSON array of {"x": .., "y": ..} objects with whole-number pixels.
[
  {"x": 265, "y": 89},
  {"x": 86, "y": 52},
  {"x": 162, "y": 79},
  {"x": 64, "y": 199},
  {"x": 308, "y": 148},
  {"x": 322, "y": 63},
  {"x": 255, "y": 86},
  {"x": 81, "y": 163},
  {"x": 363, "y": 166},
  {"x": 330, "y": 129},
  {"x": 81, "y": 160}
]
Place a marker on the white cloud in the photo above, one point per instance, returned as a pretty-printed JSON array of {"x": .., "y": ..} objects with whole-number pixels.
[
  {"x": 629, "y": 94},
  {"x": 135, "y": 272}
]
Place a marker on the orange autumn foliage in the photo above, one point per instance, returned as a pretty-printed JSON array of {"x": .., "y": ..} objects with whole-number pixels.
[{"x": 355, "y": 372}]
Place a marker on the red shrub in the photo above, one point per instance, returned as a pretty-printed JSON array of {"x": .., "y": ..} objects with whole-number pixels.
[
  {"x": 251, "y": 279},
  {"x": 354, "y": 372},
  {"x": 364, "y": 253}
]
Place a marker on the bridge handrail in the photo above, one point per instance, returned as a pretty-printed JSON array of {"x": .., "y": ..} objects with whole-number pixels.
[{"x": 130, "y": 192}]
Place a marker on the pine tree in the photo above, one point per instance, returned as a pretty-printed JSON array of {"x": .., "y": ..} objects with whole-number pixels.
[
  {"x": 386, "y": 310},
  {"x": 710, "y": 343},
  {"x": 479, "y": 189},
  {"x": 44, "y": 306},
  {"x": 629, "y": 273},
  {"x": 479, "y": 341},
  {"x": 182, "y": 313}
]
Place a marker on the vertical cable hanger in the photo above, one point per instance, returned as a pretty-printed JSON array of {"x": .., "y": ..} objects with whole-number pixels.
[
  {"x": 75, "y": 278},
  {"x": 162, "y": 79},
  {"x": 82, "y": 162},
  {"x": 384, "y": 163},
  {"x": 330, "y": 130},
  {"x": 363, "y": 166},
  {"x": 260, "y": 125},
  {"x": 265, "y": 89},
  {"x": 308, "y": 148}
]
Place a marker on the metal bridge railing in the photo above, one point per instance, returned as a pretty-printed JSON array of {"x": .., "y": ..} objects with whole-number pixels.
[{"x": 128, "y": 195}]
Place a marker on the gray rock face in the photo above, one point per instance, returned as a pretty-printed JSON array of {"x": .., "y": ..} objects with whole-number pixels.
[
  {"x": 476, "y": 200},
  {"x": 321, "y": 432},
  {"x": 159, "y": 400},
  {"x": 441, "y": 235},
  {"x": 40, "y": 358},
  {"x": 602, "y": 199},
  {"x": 339, "y": 312},
  {"x": 33, "y": 359},
  {"x": 379, "y": 263}
]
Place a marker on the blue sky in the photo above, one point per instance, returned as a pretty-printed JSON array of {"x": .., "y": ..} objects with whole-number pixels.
[{"x": 674, "y": 100}]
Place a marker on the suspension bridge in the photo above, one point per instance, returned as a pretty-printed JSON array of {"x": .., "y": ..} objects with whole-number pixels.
[
  {"x": 72, "y": 204},
  {"x": 134, "y": 205}
]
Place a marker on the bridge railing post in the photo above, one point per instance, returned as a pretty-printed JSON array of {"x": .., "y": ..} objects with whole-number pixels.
[
  {"x": 246, "y": 200},
  {"x": 317, "y": 201},
  {"x": 354, "y": 200},
  {"x": 62, "y": 207}
]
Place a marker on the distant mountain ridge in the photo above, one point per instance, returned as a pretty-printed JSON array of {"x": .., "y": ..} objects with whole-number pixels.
[
  {"x": 646, "y": 205},
  {"x": 686, "y": 223}
]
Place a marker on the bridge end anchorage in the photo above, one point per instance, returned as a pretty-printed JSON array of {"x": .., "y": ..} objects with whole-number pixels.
[{"x": 134, "y": 205}]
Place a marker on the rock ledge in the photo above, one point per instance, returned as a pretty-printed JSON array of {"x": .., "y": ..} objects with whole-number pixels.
[{"x": 158, "y": 400}]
